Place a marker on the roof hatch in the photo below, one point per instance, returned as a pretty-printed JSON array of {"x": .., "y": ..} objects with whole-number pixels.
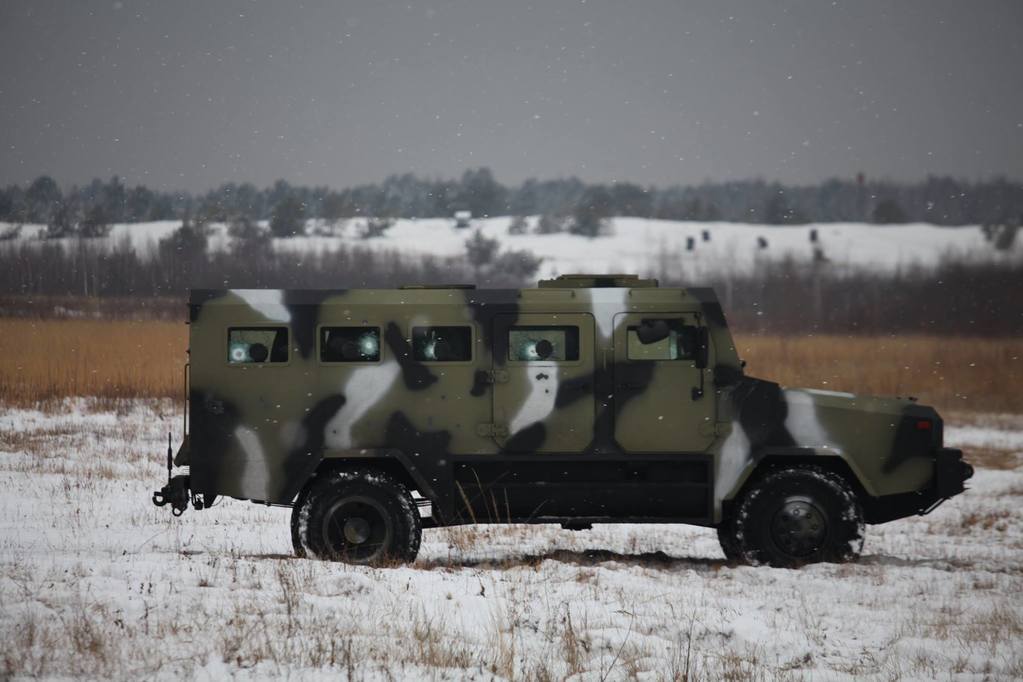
[
  {"x": 437, "y": 286},
  {"x": 597, "y": 282}
]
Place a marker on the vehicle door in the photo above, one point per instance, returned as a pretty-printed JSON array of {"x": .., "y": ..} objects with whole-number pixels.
[
  {"x": 664, "y": 400},
  {"x": 543, "y": 382}
]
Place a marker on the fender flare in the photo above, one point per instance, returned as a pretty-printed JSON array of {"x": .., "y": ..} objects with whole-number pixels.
[
  {"x": 801, "y": 455},
  {"x": 417, "y": 477}
]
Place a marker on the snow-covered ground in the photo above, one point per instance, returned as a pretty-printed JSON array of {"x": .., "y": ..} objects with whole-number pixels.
[
  {"x": 632, "y": 245},
  {"x": 96, "y": 582}
]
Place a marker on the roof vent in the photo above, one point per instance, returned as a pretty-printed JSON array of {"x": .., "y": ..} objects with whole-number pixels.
[{"x": 597, "y": 282}]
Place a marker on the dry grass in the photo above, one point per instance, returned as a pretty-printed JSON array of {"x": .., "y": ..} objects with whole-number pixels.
[
  {"x": 48, "y": 360},
  {"x": 961, "y": 374},
  {"x": 994, "y": 458}
]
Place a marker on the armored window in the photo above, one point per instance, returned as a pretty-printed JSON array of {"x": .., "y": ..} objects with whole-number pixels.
[
  {"x": 442, "y": 344},
  {"x": 257, "y": 345},
  {"x": 551, "y": 344},
  {"x": 661, "y": 340},
  {"x": 349, "y": 344}
]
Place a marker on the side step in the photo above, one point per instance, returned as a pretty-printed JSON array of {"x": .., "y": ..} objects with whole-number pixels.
[{"x": 425, "y": 512}]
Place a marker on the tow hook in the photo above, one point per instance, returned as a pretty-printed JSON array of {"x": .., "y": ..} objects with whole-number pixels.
[{"x": 175, "y": 493}]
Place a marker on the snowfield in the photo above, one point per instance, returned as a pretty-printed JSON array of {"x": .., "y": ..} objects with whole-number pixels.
[
  {"x": 632, "y": 244},
  {"x": 97, "y": 582}
]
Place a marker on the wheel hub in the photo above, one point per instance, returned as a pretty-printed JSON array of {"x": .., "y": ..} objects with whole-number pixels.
[
  {"x": 799, "y": 527},
  {"x": 357, "y": 530}
]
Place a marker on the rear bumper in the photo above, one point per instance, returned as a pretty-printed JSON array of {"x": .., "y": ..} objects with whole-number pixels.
[{"x": 950, "y": 476}]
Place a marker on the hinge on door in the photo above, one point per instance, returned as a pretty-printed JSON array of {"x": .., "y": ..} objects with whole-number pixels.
[
  {"x": 492, "y": 430},
  {"x": 497, "y": 376}
]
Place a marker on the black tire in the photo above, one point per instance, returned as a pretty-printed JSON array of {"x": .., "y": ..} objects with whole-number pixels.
[
  {"x": 357, "y": 516},
  {"x": 726, "y": 536},
  {"x": 792, "y": 517}
]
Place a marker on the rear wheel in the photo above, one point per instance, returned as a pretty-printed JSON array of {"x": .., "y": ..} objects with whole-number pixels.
[
  {"x": 359, "y": 516},
  {"x": 792, "y": 517}
]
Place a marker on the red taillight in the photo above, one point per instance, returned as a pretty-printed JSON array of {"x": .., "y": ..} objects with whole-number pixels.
[{"x": 923, "y": 425}]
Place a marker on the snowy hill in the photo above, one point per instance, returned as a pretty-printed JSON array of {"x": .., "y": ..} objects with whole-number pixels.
[{"x": 632, "y": 245}]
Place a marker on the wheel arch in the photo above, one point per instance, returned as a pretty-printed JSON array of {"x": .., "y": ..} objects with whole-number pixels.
[
  {"x": 772, "y": 459},
  {"x": 391, "y": 461}
]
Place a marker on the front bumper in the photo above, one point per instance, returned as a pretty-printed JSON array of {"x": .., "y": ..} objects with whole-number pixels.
[
  {"x": 950, "y": 473},
  {"x": 950, "y": 476}
]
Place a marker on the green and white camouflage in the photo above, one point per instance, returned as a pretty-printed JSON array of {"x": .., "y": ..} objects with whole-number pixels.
[{"x": 589, "y": 399}]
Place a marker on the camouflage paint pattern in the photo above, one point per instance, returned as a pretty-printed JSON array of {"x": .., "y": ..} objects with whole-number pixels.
[{"x": 260, "y": 430}]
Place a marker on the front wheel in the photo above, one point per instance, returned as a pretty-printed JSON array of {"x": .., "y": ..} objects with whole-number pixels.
[
  {"x": 359, "y": 516},
  {"x": 795, "y": 516}
]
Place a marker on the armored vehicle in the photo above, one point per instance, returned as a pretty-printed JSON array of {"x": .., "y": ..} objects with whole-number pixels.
[{"x": 589, "y": 399}]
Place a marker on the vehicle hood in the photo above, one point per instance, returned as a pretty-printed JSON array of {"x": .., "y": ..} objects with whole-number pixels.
[{"x": 773, "y": 416}]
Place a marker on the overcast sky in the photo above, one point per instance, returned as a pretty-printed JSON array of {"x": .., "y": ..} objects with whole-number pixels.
[{"x": 186, "y": 95}]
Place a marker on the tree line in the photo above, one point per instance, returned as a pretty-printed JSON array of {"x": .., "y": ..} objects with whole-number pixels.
[
  {"x": 786, "y": 297},
  {"x": 183, "y": 260},
  {"x": 566, "y": 203}
]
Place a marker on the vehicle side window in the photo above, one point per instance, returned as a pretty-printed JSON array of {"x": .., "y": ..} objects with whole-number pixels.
[
  {"x": 442, "y": 344},
  {"x": 349, "y": 344},
  {"x": 554, "y": 344},
  {"x": 257, "y": 345},
  {"x": 678, "y": 343}
]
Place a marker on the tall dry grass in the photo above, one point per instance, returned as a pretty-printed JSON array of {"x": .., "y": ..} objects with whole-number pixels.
[
  {"x": 46, "y": 360},
  {"x": 954, "y": 373},
  {"x": 43, "y": 361}
]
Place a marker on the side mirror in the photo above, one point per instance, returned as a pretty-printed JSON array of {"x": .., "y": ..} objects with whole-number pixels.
[
  {"x": 694, "y": 342},
  {"x": 652, "y": 331}
]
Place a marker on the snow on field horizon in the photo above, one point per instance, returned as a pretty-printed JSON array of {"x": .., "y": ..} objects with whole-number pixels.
[
  {"x": 648, "y": 246},
  {"x": 96, "y": 582}
]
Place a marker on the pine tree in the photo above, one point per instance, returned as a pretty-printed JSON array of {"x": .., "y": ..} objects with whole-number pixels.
[
  {"x": 63, "y": 222},
  {"x": 480, "y": 251},
  {"x": 288, "y": 217},
  {"x": 95, "y": 224},
  {"x": 44, "y": 199},
  {"x": 591, "y": 213},
  {"x": 888, "y": 212}
]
